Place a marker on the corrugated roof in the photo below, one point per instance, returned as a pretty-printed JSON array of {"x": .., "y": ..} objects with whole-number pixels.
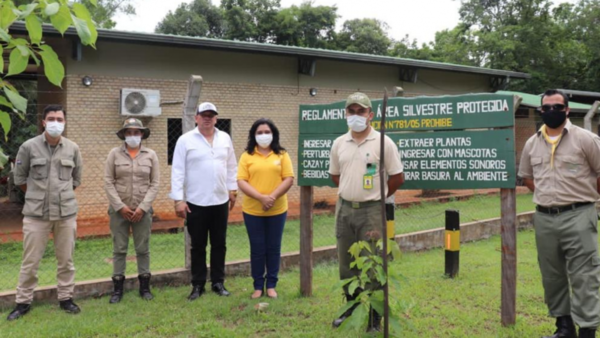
[
  {"x": 265, "y": 48},
  {"x": 533, "y": 101}
]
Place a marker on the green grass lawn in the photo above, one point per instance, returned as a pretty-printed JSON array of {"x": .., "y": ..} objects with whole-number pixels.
[
  {"x": 434, "y": 306},
  {"x": 167, "y": 250}
]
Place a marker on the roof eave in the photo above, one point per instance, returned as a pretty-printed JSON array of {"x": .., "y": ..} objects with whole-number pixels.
[{"x": 172, "y": 40}]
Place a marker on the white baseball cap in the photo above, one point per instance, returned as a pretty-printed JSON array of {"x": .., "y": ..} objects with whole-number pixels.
[{"x": 206, "y": 106}]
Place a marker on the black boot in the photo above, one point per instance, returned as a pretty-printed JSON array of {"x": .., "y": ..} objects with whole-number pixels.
[
  {"x": 117, "y": 294},
  {"x": 197, "y": 291},
  {"x": 19, "y": 311},
  {"x": 564, "y": 328},
  {"x": 374, "y": 321},
  {"x": 145, "y": 286},
  {"x": 220, "y": 290},
  {"x": 69, "y": 307},
  {"x": 338, "y": 321},
  {"x": 587, "y": 332}
]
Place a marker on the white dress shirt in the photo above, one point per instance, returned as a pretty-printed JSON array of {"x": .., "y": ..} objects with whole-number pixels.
[{"x": 206, "y": 172}]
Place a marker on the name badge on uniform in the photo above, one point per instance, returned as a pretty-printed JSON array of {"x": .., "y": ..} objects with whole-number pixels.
[{"x": 368, "y": 177}]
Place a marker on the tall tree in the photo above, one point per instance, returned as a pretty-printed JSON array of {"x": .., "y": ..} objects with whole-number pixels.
[
  {"x": 250, "y": 20},
  {"x": 199, "y": 18},
  {"x": 306, "y": 26},
  {"x": 364, "y": 36}
]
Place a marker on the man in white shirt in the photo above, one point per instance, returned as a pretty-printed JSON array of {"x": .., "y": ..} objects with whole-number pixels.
[{"x": 204, "y": 187}]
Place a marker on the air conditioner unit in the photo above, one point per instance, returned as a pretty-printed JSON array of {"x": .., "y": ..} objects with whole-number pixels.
[{"x": 140, "y": 102}]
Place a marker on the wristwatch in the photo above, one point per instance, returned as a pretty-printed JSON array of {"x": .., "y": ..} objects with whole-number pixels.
[{"x": 234, "y": 192}]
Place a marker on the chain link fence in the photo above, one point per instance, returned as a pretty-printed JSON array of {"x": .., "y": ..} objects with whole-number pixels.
[{"x": 416, "y": 210}]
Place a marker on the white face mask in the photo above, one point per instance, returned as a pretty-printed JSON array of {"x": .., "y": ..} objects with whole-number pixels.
[
  {"x": 357, "y": 123},
  {"x": 264, "y": 140},
  {"x": 133, "y": 141},
  {"x": 54, "y": 128}
]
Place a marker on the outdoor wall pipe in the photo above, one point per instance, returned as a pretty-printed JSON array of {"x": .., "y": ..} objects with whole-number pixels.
[{"x": 587, "y": 120}]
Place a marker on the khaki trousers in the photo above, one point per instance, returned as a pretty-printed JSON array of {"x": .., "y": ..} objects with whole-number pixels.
[
  {"x": 35, "y": 239},
  {"x": 119, "y": 229},
  {"x": 353, "y": 225},
  {"x": 567, "y": 246}
]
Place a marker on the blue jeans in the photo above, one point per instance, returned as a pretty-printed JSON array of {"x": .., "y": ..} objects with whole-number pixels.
[{"x": 265, "y": 235}]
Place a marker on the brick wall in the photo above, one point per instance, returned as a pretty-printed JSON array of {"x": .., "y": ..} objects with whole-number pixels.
[{"x": 94, "y": 118}]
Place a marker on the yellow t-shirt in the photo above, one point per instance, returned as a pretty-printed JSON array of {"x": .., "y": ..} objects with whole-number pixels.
[{"x": 265, "y": 174}]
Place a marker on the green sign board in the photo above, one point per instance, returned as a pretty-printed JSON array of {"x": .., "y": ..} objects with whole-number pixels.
[
  {"x": 417, "y": 114},
  {"x": 433, "y": 157},
  {"x": 432, "y": 160}
]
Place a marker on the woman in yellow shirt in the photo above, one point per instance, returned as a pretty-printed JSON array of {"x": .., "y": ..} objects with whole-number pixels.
[{"x": 265, "y": 174}]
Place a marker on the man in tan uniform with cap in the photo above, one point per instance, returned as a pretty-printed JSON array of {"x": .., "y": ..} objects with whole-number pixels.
[
  {"x": 353, "y": 167},
  {"x": 561, "y": 165},
  {"x": 48, "y": 169}
]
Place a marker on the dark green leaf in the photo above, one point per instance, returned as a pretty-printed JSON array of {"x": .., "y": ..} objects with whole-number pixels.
[
  {"x": 17, "y": 62},
  {"x": 17, "y": 100},
  {"x": 53, "y": 68},
  {"x": 358, "y": 319},
  {"x": 342, "y": 283},
  {"x": 377, "y": 305},
  {"x": 62, "y": 19},
  {"x": 352, "y": 287},
  {"x": 34, "y": 27},
  {"x": 5, "y": 123},
  {"x": 380, "y": 275}
]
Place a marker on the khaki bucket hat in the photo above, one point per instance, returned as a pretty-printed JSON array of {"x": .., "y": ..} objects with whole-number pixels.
[{"x": 132, "y": 123}]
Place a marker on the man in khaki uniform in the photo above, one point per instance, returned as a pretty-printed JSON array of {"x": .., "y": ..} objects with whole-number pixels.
[
  {"x": 354, "y": 162},
  {"x": 48, "y": 169},
  {"x": 561, "y": 165}
]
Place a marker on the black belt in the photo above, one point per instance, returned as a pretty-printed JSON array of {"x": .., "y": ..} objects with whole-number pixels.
[
  {"x": 359, "y": 205},
  {"x": 561, "y": 209}
]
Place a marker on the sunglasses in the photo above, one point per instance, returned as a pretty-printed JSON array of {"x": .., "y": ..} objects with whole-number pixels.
[{"x": 548, "y": 107}]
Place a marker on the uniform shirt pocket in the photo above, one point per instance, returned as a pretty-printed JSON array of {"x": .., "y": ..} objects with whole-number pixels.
[
  {"x": 66, "y": 169},
  {"x": 39, "y": 168},
  {"x": 34, "y": 203},
  {"x": 144, "y": 168},
  {"x": 68, "y": 203},
  {"x": 122, "y": 169},
  {"x": 570, "y": 166},
  {"x": 536, "y": 166}
]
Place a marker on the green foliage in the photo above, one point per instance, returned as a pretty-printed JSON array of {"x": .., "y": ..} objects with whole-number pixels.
[
  {"x": 367, "y": 36},
  {"x": 558, "y": 45},
  {"x": 367, "y": 258},
  {"x": 199, "y": 18},
  {"x": 306, "y": 26},
  {"x": 101, "y": 11},
  {"x": 61, "y": 14}
]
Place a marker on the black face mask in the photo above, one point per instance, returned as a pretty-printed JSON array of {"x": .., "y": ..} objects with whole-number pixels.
[{"x": 554, "y": 118}]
